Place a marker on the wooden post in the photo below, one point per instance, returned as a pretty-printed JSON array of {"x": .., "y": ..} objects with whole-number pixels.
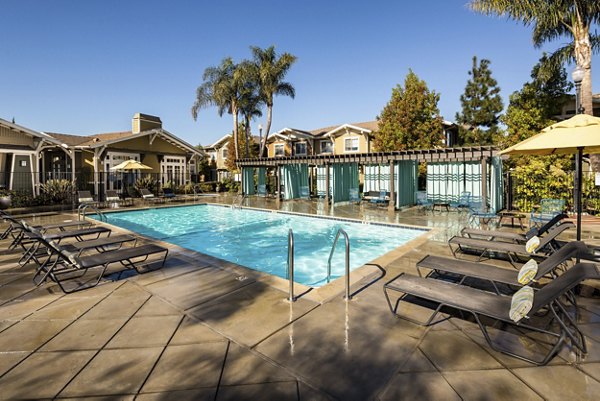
[
  {"x": 392, "y": 202},
  {"x": 326, "y": 185},
  {"x": 484, "y": 188},
  {"x": 278, "y": 198}
]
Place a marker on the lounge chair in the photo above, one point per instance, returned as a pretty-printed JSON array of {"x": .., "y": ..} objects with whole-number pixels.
[
  {"x": 86, "y": 198},
  {"x": 481, "y": 304},
  {"x": 548, "y": 244},
  {"x": 15, "y": 224},
  {"x": 493, "y": 235},
  {"x": 494, "y": 274},
  {"x": 112, "y": 197},
  {"x": 149, "y": 196},
  {"x": 67, "y": 266},
  {"x": 168, "y": 194}
]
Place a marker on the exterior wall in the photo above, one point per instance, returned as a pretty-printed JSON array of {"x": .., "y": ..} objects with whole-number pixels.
[
  {"x": 10, "y": 137},
  {"x": 568, "y": 110},
  {"x": 287, "y": 148},
  {"x": 339, "y": 147},
  {"x": 220, "y": 159},
  {"x": 142, "y": 144}
]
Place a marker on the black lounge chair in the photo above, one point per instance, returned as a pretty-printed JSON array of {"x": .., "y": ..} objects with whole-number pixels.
[
  {"x": 548, "y": 244},
  {"x": 494, "y": 274},
  {"x": 86, "y": 198},
  {"x": 168, "y": 194},
  {"x": 493, "y": 235},
  {"x": 148, "y": 196},
  {"x": 70, "y": 267},
  {"x": 15, "y": 225},
  {"x": 482, "y": 304},
  {"x": 112, "y": 197}
]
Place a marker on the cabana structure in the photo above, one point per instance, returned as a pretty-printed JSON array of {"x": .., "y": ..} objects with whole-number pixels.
[{"x": 450, "y": 171}]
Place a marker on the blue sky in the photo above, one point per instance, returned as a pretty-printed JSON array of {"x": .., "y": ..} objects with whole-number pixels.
[{"x": 86, "y": 67}]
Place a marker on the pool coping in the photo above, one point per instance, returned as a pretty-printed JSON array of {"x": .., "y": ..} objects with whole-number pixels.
[{"x": 366, "y": 274}]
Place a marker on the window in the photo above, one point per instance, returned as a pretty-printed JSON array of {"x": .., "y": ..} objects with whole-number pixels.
[
  {"x": 351, "y": 145},
  {"x": 224, "y": 153},
  {"x": 173, "y": 170},
  {"x": 326, "y": 147},
  {"x": 280, "y": 150},
  {"x": 301, "y": 148}
]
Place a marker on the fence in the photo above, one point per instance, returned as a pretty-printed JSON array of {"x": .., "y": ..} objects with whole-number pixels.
[{"x": 123, "y": 183}]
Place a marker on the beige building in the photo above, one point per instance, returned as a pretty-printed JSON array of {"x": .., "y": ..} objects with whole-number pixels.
[{"x": 88, "y": 160}]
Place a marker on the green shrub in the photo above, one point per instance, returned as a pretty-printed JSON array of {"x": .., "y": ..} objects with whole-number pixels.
[
  {"x": 57, "y": 191},
  {"x": 207, "y": 187},
  {"x": 147, "y": 182}
]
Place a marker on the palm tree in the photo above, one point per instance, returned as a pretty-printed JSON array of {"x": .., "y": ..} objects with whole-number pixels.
[
  {"x": 271, "y": 71},
  {"x": 250, "y": 103},
  {"x": 552, "y": 19},
  {"x": 222, "y": 88}
]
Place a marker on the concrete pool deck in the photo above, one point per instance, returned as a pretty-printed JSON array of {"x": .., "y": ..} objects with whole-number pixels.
[{"x": 204, "y": 329}]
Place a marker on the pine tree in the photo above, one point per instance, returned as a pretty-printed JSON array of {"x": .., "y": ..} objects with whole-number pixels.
[
  {"x": 481, "y": 106},
  {"x": 411, "y": 118}
]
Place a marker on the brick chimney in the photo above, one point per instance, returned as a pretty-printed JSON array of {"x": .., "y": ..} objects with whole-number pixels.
[{"x": 144, "y": 122}]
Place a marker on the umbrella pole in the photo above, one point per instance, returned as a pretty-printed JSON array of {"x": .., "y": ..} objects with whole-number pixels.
[{"x": 578, "y": 188}]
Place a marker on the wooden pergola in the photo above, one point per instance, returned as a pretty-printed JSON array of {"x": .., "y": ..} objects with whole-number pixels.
[{"x": 439, "y": 155}]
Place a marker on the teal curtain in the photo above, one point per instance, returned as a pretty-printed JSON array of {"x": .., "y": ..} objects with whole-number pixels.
[
  {"x": 496, "y": 185},
  {"x": 345, "y": 179},
  {"x": 248, "y": 180},
  {"x": 406, "y": 174},
  {"x": 294, "y": 177},
  {"x": 261, "y": 184},
  {"x": 322, "y": 181}
]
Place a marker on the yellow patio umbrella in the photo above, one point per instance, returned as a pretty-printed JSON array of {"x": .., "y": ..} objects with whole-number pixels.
[
  {"x": 578, "y": 135},
  {"x": 131, "y": 165}
]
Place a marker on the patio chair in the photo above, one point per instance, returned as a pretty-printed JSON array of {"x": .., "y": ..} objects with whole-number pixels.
[
  {"x": 548, "y": 244},
  {"x": 112, "y": 197},
  {"x": 261, "y": 190},
  {"x": 481, "y": 304},
  {"x": 304, "y": 193},
  {"x": 423, "y": 201},
  {"x": 549, "y": 208},
  {"x": 478, "y": 213},
  {"x": 14, "y": 225},
  {"x": 354, "y": 197},
  {"x": 68, "y": 267},
  {"x": 463, "y": 202},
  {"x": 381, "y": 199},
  {"x": 493, "y": 274},
  {"x": 492, "y": 235}
]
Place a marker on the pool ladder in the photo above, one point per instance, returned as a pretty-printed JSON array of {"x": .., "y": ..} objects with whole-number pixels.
[
  {"x": 238, "y": 205},
  {"x": 82, "y": 209},
  {"x": 290, "y": 262}
]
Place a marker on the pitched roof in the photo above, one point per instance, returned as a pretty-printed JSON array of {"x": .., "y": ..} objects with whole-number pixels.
[
  {"x": 37, "y": 134},
  {"x": 370, "y": 125}
]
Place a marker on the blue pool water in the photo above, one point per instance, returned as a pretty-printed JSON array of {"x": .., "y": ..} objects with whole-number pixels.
[{"x": 258, "y": 239}]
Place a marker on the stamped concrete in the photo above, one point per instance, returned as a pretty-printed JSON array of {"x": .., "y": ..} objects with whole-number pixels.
[{"x": 205, "y": 329}]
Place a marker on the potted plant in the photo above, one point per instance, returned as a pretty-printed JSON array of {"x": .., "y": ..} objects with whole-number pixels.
[{"x": 4, "y": 201}]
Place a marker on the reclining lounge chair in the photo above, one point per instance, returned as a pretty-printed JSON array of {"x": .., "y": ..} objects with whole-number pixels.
[
  {"x": 492, "y": 235},
  {"x": 494, "y": 274},
  {"x": 67, "y": 267},
  {"x": 548, "y": 244},
  {"x": 481, "y": 304}
]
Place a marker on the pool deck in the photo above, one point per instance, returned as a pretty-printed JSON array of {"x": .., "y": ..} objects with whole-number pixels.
[{"x": 204, "y": 329}]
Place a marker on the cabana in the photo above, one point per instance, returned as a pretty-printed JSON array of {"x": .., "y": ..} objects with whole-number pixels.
[{"x": 450, "y": 171}]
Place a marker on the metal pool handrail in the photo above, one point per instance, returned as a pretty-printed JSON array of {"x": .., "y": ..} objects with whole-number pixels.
[
  {"x": 347, "y": 259},
  {"x": 290, "y": 264},
  {"x": 82, "y": 208}
]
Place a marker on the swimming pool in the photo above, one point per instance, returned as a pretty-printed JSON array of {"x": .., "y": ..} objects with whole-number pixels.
[{"x": 258, "y": 239}]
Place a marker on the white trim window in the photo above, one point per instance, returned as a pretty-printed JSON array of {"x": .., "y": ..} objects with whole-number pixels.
[
  {"x": 300, "y": 148},
  {"x": 173, "y": 169},
  {"x": 224, "y": 153},
  {"x": 326, "y": 147},
  {"x": 351, "y": 145},
  {"x": 279, "y": 149}
]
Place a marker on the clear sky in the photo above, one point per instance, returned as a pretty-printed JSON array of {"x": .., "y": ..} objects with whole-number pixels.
[{"x": 86, "y": 66}]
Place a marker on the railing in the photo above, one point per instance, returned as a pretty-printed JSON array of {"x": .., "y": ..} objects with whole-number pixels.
[
  {"x": 84, "y": 206},
  {"x": 347, "y": 260},
  {"x": 290, "y": 264}
]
